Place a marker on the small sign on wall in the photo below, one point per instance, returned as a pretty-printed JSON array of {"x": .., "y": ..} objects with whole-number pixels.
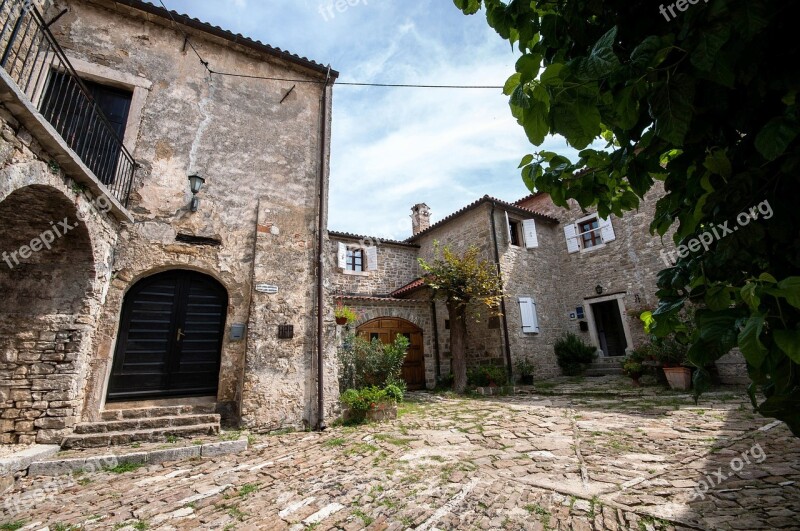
[{"x": 269, "y": 289}]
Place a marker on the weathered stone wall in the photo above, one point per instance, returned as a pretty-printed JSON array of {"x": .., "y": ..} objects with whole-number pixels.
[
  {"x": 530, "y": 273},
  {"x": 397, "y": 266},
  {"x": 260, "y": 158},
  {"x": 50, "y": 297},
  {"x": 484, "y": 338},
  {"x": 627, "y": 266}
]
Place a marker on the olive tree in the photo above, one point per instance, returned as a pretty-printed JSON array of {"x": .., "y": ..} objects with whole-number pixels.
[{"x": 467, "y": 283}]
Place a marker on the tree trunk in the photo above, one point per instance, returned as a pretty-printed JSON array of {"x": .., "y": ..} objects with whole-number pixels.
[{"x": 458, "y": 339}]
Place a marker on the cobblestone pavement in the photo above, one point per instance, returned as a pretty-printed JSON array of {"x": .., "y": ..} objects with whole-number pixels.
[{"x": 555, "y": 459}]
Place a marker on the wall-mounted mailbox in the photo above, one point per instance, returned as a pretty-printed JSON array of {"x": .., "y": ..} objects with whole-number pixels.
[
  {"x": 237, "y": 332},
  {"x": 285, "y": 331}
]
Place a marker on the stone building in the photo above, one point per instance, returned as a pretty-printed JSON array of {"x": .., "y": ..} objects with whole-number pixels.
[
  {"x": 563, "y": 270},
  {"x": 122, "y": 293}
]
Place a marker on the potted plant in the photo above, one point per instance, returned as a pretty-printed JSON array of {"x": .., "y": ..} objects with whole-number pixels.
[
  {"x": 371, "y": 403},
  {"x": 672, "y": 356},
  {"x": 632, "y": 367},
  {"x": 344, "y": 314},
  {"x": 525, "y": 370}
]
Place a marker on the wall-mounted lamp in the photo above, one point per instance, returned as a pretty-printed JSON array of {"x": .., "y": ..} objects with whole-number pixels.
[
  {"x": 598, "y": 289},
  {"x": 195, "y": 184}
]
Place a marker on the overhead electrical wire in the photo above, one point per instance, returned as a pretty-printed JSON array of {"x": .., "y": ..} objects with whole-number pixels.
[{"x": 312, "y": 81}]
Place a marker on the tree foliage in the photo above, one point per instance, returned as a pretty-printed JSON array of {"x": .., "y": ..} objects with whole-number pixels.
[
  {"x": 466, "y": 282},
  {"x": 704, "y": 101}
]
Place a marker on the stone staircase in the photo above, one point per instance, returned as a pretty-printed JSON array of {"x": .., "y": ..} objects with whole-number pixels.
[
  {"x": 144, "y": 424},
  {"x": 605, "y": 366}
]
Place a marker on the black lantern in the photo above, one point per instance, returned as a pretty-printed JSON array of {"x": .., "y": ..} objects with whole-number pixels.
[
  {"x": 598, "y": 289},
  {"x": 195, "y": 184}
]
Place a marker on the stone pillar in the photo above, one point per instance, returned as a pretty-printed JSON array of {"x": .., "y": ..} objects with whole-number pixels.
[{"x": 420, "y": 217}]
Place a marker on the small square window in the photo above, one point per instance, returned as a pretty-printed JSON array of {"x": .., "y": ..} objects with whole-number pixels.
[
  {"x": 355, "y": 260},
  {"x": 589, "y": 233}
]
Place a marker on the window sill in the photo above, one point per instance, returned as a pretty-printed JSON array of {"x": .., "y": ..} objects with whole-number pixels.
[
  {"x": 593, "y": 248},
  {"x": 355, "y": 273}
]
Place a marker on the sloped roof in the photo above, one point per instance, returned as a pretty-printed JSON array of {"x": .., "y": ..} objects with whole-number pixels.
[
  {"x": 351, "y": 236},
  {"x": 483, "y": 200},
  {"x": 412, "y": 286},
  {"x": 373, "y": 298},
  {"x": 235, "y": 38}
]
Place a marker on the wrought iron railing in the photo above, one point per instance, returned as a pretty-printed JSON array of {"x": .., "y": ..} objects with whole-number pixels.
[{"x": 41, "y": 70}]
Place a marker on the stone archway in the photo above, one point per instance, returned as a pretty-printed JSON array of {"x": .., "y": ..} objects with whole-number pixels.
[
  {"x": 386, "y": 329},
  {"x": 47, "y": 282}
]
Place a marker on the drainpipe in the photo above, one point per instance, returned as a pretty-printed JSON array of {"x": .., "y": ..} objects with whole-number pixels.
[
  {"x": 502, "y": 299},
  {"x": 320, "y": 250},
  {"x": 436, "y": 342}
]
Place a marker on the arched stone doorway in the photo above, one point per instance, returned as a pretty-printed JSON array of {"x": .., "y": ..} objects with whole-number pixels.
[
  {"x": 170, "y": 337},
  {"x": 47, "y": 296},
  {"x": 387, "y": 329}
]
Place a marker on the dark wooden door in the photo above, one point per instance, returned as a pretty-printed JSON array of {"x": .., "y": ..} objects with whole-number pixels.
[
  {"x": 610, "y": 332},
  {"x": 387, "y": 329},
  {"x": 170, "y": 337}
]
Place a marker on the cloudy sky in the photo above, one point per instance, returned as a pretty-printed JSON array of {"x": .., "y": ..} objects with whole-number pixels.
[{"x": 395, "y": 147}]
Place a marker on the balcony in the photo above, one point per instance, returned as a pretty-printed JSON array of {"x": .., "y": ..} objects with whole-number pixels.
[{"x": 40, "y": 86}]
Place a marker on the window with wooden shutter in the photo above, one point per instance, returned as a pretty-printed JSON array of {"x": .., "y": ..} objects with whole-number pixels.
[
  {"x": 341, "y": 256},
  {"x": 529, "y": 231},
  {"x": 571, "y": 235},
  {"x": 528, "y": 317},
  {"x": 372, "y": 258},
  {"x": 607, "y": 230}
]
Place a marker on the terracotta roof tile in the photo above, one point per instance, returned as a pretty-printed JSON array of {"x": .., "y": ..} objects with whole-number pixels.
[{"x": 237, "y": 38}]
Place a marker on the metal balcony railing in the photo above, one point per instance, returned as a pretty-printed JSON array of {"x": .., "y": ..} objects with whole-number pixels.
[{"x": 41, "y": 70}]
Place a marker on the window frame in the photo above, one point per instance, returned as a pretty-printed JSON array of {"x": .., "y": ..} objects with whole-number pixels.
[
  {"x": 350, "y": 260},
  {"x": 597, "y": 233}
]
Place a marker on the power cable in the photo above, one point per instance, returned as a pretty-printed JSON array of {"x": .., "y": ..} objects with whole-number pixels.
[{"x": 344, "y": 83}]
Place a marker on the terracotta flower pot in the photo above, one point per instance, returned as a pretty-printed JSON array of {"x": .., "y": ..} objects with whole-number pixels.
[
  {"x": 341, "y": 321},
  {"x": 679, "y": 378}
]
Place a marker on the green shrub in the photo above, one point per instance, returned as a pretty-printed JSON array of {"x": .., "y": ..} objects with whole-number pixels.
[
  {"x": 365, "y": 363},
  {"x": 359, "y": 401},
  {"x": 485, "y": 375},
  {"x": 394, "y": 392},
  {"x": 573, "y": 355},
  {"x": 666, "y": 350}
]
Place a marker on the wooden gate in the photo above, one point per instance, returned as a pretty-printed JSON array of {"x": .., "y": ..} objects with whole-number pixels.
[
  {"x": 386, "y": 329},
  {"x": 170, "y": 337}
]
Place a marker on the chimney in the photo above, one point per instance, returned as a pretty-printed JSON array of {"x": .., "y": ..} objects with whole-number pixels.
[{"x": 420, "y": 218}]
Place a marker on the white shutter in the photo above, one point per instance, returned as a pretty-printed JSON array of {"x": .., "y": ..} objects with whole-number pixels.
[
  {"x": 341, "y": 258},
  {"x": 531, "y": 239},
  {"x": 527, "y": 310},
  {"x": 372, "y": 258},
  {"x": 607, "y": 230},
  {"x": 571, "y": 234},
  {"x": 508, "y": 229}
]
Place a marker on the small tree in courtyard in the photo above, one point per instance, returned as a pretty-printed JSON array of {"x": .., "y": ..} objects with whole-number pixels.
[{"x": 463, "y": 280}]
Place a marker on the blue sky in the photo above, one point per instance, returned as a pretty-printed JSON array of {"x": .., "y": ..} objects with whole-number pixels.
[{"x": 392, "y": 147}]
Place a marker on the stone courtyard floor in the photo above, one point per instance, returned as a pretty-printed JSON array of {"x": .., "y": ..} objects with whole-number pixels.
[{"x": 593, "y": 454}]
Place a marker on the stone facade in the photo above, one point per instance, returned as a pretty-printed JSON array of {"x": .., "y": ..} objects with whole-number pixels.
[
  {"x": 260, "y": 149},
  {"x": 621, "y": 271}
]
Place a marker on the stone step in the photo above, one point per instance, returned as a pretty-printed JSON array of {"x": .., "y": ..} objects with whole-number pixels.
[
  {"x": 603, "y": 371},
  {"x": 147, "y": 423},
  {"x": 157, "y": 411},
  {"x": 605, "y": 360},
  {"x": 112, "y": 438}
]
